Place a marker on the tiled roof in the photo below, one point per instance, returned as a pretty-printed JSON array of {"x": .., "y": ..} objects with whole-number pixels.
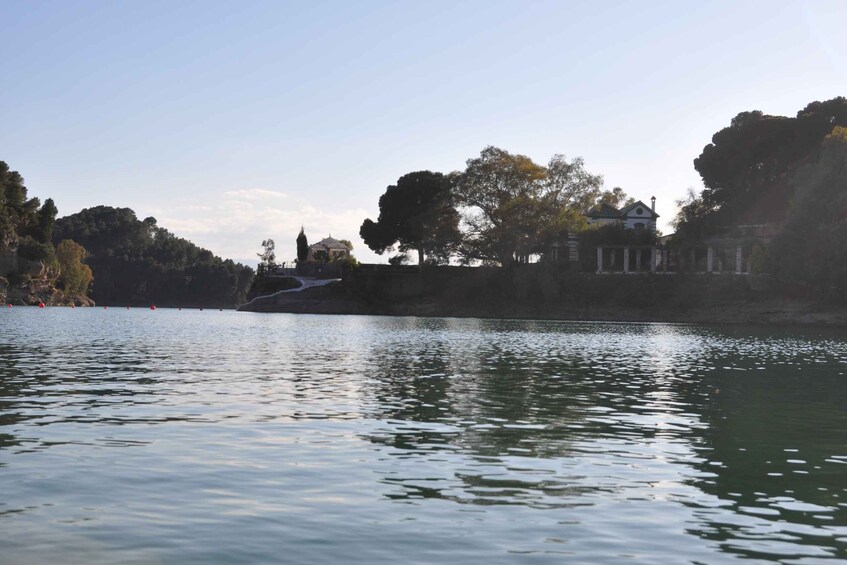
[
  {"x": 328, "y": 242},
  {"x": 604, "y": 211},
  {"x": 636, "y": 204}
]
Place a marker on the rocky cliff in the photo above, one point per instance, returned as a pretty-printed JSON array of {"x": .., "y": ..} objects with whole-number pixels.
[{"x": 26, "y": 282}]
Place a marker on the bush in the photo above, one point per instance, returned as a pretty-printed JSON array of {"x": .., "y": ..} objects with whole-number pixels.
[{"x": 33, "y": 250}]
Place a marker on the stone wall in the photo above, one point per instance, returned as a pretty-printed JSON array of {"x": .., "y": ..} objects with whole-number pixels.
[{"x": 542, "y": 285}]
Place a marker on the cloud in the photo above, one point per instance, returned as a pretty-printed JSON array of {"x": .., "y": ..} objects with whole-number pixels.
[
  {"x": 234, "y": 223},
  {"x": 256, "y": 194}
]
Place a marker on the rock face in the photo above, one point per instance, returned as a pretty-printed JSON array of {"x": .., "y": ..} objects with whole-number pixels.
[{"x": 24, "y": 282}]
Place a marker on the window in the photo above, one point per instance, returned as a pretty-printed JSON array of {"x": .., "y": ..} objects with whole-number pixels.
[
  {"x": 639, "y": 211},
  {"x": 639, "y": 226}
]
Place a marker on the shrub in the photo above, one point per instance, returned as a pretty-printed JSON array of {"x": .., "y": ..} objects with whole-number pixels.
[{"x": 33, "y": 250}]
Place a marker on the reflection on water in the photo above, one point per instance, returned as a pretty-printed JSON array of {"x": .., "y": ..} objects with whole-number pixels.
[{"x": 205, "y": 436}]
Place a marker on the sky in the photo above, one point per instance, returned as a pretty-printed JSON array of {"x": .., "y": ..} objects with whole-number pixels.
[{"x": 234, "y": 122}]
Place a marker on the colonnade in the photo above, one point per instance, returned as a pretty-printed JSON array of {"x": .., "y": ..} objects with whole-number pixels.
[{"x": 660, "y": 258}]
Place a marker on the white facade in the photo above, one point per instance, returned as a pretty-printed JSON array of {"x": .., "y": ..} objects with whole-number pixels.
[
  {"x": 636, "y": 216},
  {"x": 639, "y": 217}
]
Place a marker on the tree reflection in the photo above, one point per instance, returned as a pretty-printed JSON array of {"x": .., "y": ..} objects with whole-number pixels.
[
  {"x": 750, "y": 428},
  {"x": 11, "y": 386},
  {"x": 772, "y": 445}
]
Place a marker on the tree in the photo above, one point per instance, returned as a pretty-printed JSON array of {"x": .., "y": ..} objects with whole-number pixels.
[
  {"x": 417, "y": 213},
  {"x": 615, "y": 197},
  {"x": 302, "y": 246},
  {"x": 811, "y": 250},
  {"x": 267, "y": 256},
  {"x": 137, "y": 261},
  {"x": 43, "y": 232},
  {"x": 513, "y": 205},
  {"x": 75, "y": 275},
  {"x": 18, "y": 214},
  {"x": 747, "y": 169}
]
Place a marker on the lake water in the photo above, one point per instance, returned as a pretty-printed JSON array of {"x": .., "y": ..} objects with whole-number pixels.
[{"x": 172, "y": 436}]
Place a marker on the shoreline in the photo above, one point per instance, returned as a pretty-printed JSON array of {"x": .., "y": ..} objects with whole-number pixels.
[{"x": 766, "y": 311}]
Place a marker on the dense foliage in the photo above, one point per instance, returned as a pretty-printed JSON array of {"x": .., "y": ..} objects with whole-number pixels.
[
  {"x": 514, "y": 207},
  {"x": 748, "y": 168},
  {"x": 138, "y": 262},
  {"x": 22, "y": 217},
  {"x": 76, "y": 276},
  {"x": 811, "y": 250},
  {"x": 417, "y": 213}
]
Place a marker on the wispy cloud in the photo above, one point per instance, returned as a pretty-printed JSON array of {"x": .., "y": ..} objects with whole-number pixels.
[
  {"x": 256, "y": 194},
  {"x": 236, "y": 222}
]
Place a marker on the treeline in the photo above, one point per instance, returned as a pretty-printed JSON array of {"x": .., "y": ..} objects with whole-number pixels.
[
  {"x": 25, "y": 224},
  {"x": 789, "y": 173},
  {"x": 106, "y": 253},
  {"x": 26, "y": 230},
  {"x": 136, "y": 262},
  {"x": 502, "y": 209}
]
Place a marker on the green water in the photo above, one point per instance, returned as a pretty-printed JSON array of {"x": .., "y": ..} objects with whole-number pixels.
[{"x": 222, "y": 437}]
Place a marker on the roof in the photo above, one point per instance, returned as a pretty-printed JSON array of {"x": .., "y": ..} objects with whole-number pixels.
[
  {"x": 604, "y": 210},
  {"x": 329, "y": 242},
  {"x": 638, "y": 203}
]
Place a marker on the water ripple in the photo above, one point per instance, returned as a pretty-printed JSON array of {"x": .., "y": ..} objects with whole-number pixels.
[{"x": 217, "y": 437}]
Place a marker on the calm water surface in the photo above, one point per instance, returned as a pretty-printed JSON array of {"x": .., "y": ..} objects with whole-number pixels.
[{"x": 177, "y": 436}]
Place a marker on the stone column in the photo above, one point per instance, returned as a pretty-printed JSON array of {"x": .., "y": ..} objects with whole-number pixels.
[
  {"x": 626, "y": 260},
  {"x": 739, "y": 255},
  {"x": 652, "y": 259},
  {"x": 573, "y": 248},
  {"x": 599, "y": 259},
  {"x": 710, "y": 259},
  {"x": 637, "y": 259}
]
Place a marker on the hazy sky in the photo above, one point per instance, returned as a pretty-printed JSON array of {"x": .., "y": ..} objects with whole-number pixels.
[{"x": 232, "y": 122}]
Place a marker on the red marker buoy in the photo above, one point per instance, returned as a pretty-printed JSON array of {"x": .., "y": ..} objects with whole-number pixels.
[
  {"x": 105, "y": 307},
  {"x": 152, "y": 306},
  {"x": 41, "y": 305}
]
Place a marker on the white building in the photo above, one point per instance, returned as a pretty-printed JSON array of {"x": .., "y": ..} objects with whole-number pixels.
[
  {"x": 636, "y": 216},
  {"x": 328, "y": 249}
]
